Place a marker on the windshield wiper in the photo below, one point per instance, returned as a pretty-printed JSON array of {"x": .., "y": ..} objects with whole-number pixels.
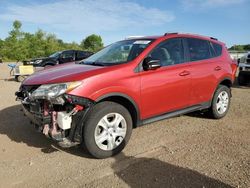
[{"x": 96, "y": 64}]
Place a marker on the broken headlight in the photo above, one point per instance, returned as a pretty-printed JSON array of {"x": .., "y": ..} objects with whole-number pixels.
[{"x": 52, "y": 91}]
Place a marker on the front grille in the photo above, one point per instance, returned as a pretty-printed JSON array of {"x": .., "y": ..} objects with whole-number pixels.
[{"x": 248, "y": 61}]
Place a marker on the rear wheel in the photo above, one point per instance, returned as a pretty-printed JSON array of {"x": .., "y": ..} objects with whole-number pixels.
[
  {"x": 107, "y": 129},
  {"x": 220, "y": 102}
]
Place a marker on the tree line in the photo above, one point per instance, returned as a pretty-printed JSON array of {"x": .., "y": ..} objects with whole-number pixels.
[
  {"x": 20, "y": 45},
  {"x": 240, "y": 48}
]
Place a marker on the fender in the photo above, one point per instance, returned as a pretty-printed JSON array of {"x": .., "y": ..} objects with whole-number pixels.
[
  {"x": 127, "y": 97},
  {"x": 115, "y": 94},
  {"x": 222, "y": 80}
]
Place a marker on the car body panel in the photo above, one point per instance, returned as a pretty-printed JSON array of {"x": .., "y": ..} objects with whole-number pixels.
[{"x": 164, "y": 90}]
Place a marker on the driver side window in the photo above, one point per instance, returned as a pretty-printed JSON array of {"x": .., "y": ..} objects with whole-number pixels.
[{"x": 170, "y": 52}]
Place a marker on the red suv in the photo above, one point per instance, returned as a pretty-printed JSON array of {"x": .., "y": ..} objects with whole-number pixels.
[{"x": 127, "y": 84}]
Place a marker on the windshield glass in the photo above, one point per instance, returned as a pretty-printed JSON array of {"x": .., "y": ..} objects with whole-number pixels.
[
  {"x": 55, "y": 55},
  {"x": 119, "y": 52}
]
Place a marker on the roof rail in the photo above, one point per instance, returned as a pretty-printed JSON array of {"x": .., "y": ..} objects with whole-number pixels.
[
  {"x": 170, "y": 33},
  {"x": 133, "y": 37},
  {"x": 213, "y": 38}
]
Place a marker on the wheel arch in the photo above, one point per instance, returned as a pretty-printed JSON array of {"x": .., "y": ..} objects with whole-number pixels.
[
  {"x": 125, "y": 101},
  {"x": 226, "y": 82},
  {"x": 50, "y": 62}
]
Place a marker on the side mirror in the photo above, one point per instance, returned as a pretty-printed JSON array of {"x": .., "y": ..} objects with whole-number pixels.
[{"x": 151, "y": 64}]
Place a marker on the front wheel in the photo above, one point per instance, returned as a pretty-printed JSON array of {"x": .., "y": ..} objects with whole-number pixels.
[
  {"x": 220, "y": 102},
  {"x": 107, "y": 129}
]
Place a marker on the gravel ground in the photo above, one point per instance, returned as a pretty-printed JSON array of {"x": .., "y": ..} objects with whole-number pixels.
[{"x": 186, "y": 151}]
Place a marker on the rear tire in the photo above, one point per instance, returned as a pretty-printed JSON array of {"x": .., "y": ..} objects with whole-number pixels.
[
  {"x": 221, "y": 102},
  {"x": 107, "y": 129}
]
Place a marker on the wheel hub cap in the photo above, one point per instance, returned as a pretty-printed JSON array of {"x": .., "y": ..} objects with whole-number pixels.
[
  {"x": 110, "y": 131},
  {"x": 222, "y": 102}
]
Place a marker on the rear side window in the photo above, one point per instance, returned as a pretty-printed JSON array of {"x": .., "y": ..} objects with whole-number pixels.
[
  {"x": 217, "y": 49},
  {"x": 198, "y": 49}
]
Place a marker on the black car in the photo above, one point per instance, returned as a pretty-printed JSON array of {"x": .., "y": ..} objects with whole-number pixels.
[{"x": 59, "y": 58}]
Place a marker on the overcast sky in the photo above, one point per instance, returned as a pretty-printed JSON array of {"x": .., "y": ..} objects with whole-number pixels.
[{"x": 73, "y": 20}]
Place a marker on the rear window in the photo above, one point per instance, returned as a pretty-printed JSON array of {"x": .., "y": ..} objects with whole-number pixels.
[
  {"x": 217, "y": 49},
  {"x": 198, "y": 49}
]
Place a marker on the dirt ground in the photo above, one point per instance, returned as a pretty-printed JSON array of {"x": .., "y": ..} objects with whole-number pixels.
[{"x": 186, "y": 151}]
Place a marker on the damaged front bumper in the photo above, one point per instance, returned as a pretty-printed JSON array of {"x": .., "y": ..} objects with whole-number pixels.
[{"x": 62, "y": 122}]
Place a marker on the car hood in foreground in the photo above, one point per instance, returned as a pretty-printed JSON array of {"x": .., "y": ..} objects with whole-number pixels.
[{"x": 61, "y": 73}]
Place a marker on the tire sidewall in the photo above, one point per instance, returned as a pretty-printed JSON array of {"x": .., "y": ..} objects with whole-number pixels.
[
  {"x": 220, "y": 89},
  {"x": 94, "y": 116}
]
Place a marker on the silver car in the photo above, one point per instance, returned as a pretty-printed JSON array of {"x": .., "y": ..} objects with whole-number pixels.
[{"x": 244, "y": 70}]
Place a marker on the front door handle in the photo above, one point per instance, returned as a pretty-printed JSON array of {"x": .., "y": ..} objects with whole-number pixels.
[
  {"x": 218, "y": 68},
  {"x": 184, "y": 73}
]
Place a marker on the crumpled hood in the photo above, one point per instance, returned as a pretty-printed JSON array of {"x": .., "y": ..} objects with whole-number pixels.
[{"x": 61, "y": 73}]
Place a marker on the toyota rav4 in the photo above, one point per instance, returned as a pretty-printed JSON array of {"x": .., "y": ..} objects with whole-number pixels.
[{"x": 130, "y": 83}]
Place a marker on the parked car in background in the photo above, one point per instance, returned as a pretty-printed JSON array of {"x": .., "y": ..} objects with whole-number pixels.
[
  {"x": 244, "y": 70},
  {"x": 130, "y": 83},
  {"x": 60, "y": 57}
]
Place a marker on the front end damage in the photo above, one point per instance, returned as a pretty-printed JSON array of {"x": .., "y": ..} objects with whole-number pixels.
[{"x": 60, "y": 117}]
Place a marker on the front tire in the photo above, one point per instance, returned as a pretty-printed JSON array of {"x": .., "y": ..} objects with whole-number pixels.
[
  {"x": 107, "y": 129},
  {"x": 221, "y": 102}
]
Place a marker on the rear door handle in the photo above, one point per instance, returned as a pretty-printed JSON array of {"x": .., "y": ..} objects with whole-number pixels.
[
  {"x": 184, "y": 73},
  {"x": 217, "y": 68}
]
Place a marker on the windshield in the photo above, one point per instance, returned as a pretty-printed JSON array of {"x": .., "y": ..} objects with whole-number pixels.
[
  {"x": 55, "y": 55},
  {"x": 119, "y": 52}
]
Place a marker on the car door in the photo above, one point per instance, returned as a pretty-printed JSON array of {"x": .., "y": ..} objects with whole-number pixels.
[
  {"x": 204, "y": 68},
  {"x": 67, "y": 56},
  {"x": 167, "y": 88}
]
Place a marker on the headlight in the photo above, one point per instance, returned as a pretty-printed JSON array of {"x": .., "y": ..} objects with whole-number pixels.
[
  {"x": 38, "y": 61},
  {"x": 51, "y": 91}
]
